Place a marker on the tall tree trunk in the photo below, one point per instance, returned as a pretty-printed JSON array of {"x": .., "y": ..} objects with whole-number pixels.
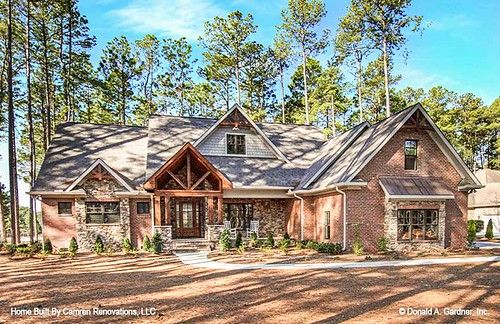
[
  {"x": 304, "y": 75},
  {"x": 358, "y": 86},
  {"x": 282, "y": 85},
  {"x": 238, "y": 91},
  {"x": 48, "y": 101},
  {"x": 3, "y": 233},
  {"x": 334, "y": 128},
  {"x": 386, "y": 78},
  {"x": 70, "y": 62},
  {"x": 14, "y": 199},
  {"x": 32, "y": 224}
]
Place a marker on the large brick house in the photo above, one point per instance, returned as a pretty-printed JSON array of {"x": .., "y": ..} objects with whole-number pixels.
[{"x": 183, "y": 176}]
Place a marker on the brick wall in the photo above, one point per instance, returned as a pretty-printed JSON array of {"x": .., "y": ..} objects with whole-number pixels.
[
  {"x": 140, "y": 224},
  {"x": 58, "y": 229},
  {"x": 366, "y": 206}
]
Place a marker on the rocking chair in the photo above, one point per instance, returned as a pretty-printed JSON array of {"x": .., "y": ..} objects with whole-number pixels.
[{"x": 232, "y": 231}]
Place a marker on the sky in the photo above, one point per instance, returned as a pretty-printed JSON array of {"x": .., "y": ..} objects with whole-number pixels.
[{"x": 459, "y": 49}]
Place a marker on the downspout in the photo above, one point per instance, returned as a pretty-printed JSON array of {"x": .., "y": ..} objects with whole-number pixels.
[
  {"x": 301, "y": 215},
  {"x": 344, "y": 211}
]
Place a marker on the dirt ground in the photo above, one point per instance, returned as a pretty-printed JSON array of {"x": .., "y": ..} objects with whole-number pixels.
[{"x": 180, "y": 293}]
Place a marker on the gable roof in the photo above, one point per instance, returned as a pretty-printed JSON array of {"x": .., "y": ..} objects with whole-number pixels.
[
  {"x": 75, "y": 146},
  {"x": 236, "y": 107},
  {"x": 362, "y": 150},
  {"x": 107, "y": 168}
]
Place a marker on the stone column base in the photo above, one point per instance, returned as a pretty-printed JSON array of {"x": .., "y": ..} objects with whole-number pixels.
[
  {"x": 166, "y": 235},
  {"x": 213, "y": 232}
]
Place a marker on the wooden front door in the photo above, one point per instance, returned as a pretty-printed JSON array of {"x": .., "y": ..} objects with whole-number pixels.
[{"x": 188, "y": 217}]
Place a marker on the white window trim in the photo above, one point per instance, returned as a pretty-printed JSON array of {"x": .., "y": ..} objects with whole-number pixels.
[{"x": 239, "y": 134}]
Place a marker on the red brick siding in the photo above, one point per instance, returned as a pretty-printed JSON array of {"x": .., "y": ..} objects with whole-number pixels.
[
  {"x": 58, "y": 229},
  {"x": 140, "y": 224},
  {"x": 366, "y": 206}
]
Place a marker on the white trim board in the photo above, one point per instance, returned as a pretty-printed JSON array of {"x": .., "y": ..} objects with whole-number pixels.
[{"x": 92, "y": 167}]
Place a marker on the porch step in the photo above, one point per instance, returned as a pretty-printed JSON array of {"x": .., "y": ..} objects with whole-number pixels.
[{"x": 191, "y": 245}]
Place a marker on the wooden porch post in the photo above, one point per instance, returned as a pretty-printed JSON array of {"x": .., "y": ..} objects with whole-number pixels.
[
  {"x": 168, "y": 220},
  {"x": 157, "y": 211},
  {"x": 210, "y": 209},
  {"x": 219, "y": 210}
]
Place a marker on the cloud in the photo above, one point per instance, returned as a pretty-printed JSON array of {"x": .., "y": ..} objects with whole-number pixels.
[
  {"x": 453, "y": 22},
  {"x": 417, "y": 78},
  {"x": 176, "y": 18}
]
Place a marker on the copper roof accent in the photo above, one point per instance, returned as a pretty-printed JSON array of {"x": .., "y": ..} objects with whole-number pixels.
[{"x": 414, "y": 186}]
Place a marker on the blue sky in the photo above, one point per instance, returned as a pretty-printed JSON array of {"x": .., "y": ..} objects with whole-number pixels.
[{"x": 459, "y": 49}]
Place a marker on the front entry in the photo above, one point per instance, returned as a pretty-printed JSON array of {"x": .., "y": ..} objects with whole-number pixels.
[{"x": 188, "y": 217}]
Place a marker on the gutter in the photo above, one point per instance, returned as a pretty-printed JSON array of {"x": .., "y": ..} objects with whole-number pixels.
[
  {"x": 301, "y": 215},
  {"x": 334, "y": 187},
  {"x": 344, "y": 211}
]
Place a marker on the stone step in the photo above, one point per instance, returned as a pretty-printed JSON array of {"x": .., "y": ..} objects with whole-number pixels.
[{"x": 191, "y": 245}]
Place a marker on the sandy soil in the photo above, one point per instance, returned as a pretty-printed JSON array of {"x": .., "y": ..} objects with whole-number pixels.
[{"x": 183, "y": 294}]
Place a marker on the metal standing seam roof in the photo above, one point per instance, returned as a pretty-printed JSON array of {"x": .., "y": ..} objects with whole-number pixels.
[{"x": 415, "y": 186}]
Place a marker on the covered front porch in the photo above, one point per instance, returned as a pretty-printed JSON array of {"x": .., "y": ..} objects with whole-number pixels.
[{"x": 187, "y": 197}]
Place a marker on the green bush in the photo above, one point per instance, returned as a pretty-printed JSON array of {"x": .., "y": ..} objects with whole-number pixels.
[
  {"x": 270, "y": 240},
  {"x": 311, "y": 245},
  {"x": 479, "y": 225},
  {"x": 489, "y": 230},
  {"x": 239, "y": 240},
  {"x": 127, "y": 246},
  {"x": 326, "y": 247},
  {"x": 225, "y": 241},
  {"x": 47, "y": 247},
  {"x": 382, "y": 244},
  {"x": 299, "y": 245},
  {"x": 241, "y": 249},
  {"x": 357, "y": 245},
  {"x": 36, "y": 247},
  {"x": 286, "y": 236},
  {"x": 73, "y": 246},
  {"x": 146, "y": 244},
  {"x": 11, "y": 248},
  {"x": 23, "y": 249},
  {"x": 157, "y": 243},
  {"x": 254, "y": 241},
  {"x": 284, "y": 243},
  {"x": 471, "y": 233},
  {"x": 98, "y": 246}
]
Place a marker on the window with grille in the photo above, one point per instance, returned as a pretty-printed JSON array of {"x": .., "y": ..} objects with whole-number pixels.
[
  {"x": 142, "y": 207},
  {"x": 240, "y": 215},
  {"x": 326, "y": 224},
  {"x": 235, "y": 144},
  {"x": 418, "y": 225},
  {"x": 410, "y": 155},
  {"x": 102, "y": 212}
]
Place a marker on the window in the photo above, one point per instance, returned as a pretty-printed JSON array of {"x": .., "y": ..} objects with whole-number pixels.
[
  {"x": 235, "y": 144},
  {"x": 240, "y": 215},
  {"x": 64, "y": 208},
  {"x": 326, "y": 221},
  {"x": 102, "y": 212},
  {"x": 410, "y": 155},
  {"x": 142, "y": 207},
  {"x": 418, "y": 225}
]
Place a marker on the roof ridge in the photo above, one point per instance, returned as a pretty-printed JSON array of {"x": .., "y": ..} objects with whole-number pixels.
[
  {"x": 396, "y": 114},
  {"x": 98, "y": 124}
]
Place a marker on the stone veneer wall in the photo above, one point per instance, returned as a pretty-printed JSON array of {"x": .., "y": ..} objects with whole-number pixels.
[
  {"x": 112, "y": 235},
  {"x": 166, "y": 235},
  {"x": 391, "y": 224}
]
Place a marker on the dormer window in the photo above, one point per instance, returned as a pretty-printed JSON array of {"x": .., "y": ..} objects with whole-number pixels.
[
  {"x": 235, "y": 144},
  {"x": 410, "y": 155}
]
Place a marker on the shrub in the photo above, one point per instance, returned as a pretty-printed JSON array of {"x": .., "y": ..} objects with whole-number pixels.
[
  {"x": 286, "y": 236},
  {"x": 11, "y": 248},
  {"x": 98, "y": 246},
  {"x": 23, "y": 249},
  {"x": 382, "y": 244},
  {"x": 73, "y": 246},
  {"x": 146, "y": 244},
  {"x": 270, "y": 240},
  {"x": 299, "y": 245},
  {"x": 311, "y": 245},
  {"x": 157, "y": 243},
  {"x": 225, "y": 241},
  {"x": 489, "y": 230},
  {"x": 127, "y": 246},
  {"x": 357, "y": 245},
  {"x": 36, "y": 247},
  {"x": 471, "y": 233},
  {"x": 254, "y": 241},
  {"x": 239, "y": 240},
  {"x": 326, "y": 247},
  {"x": 284, "y": 243},
  {"x": 47, "y": 247},
  {"x": 479, "y": 225},
  {"x": 241, "y": 249}
]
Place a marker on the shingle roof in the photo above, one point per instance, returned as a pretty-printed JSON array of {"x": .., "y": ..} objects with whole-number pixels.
[
  {"x": 76, "y": 146},
  {"x": 414, "y": 186}
]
